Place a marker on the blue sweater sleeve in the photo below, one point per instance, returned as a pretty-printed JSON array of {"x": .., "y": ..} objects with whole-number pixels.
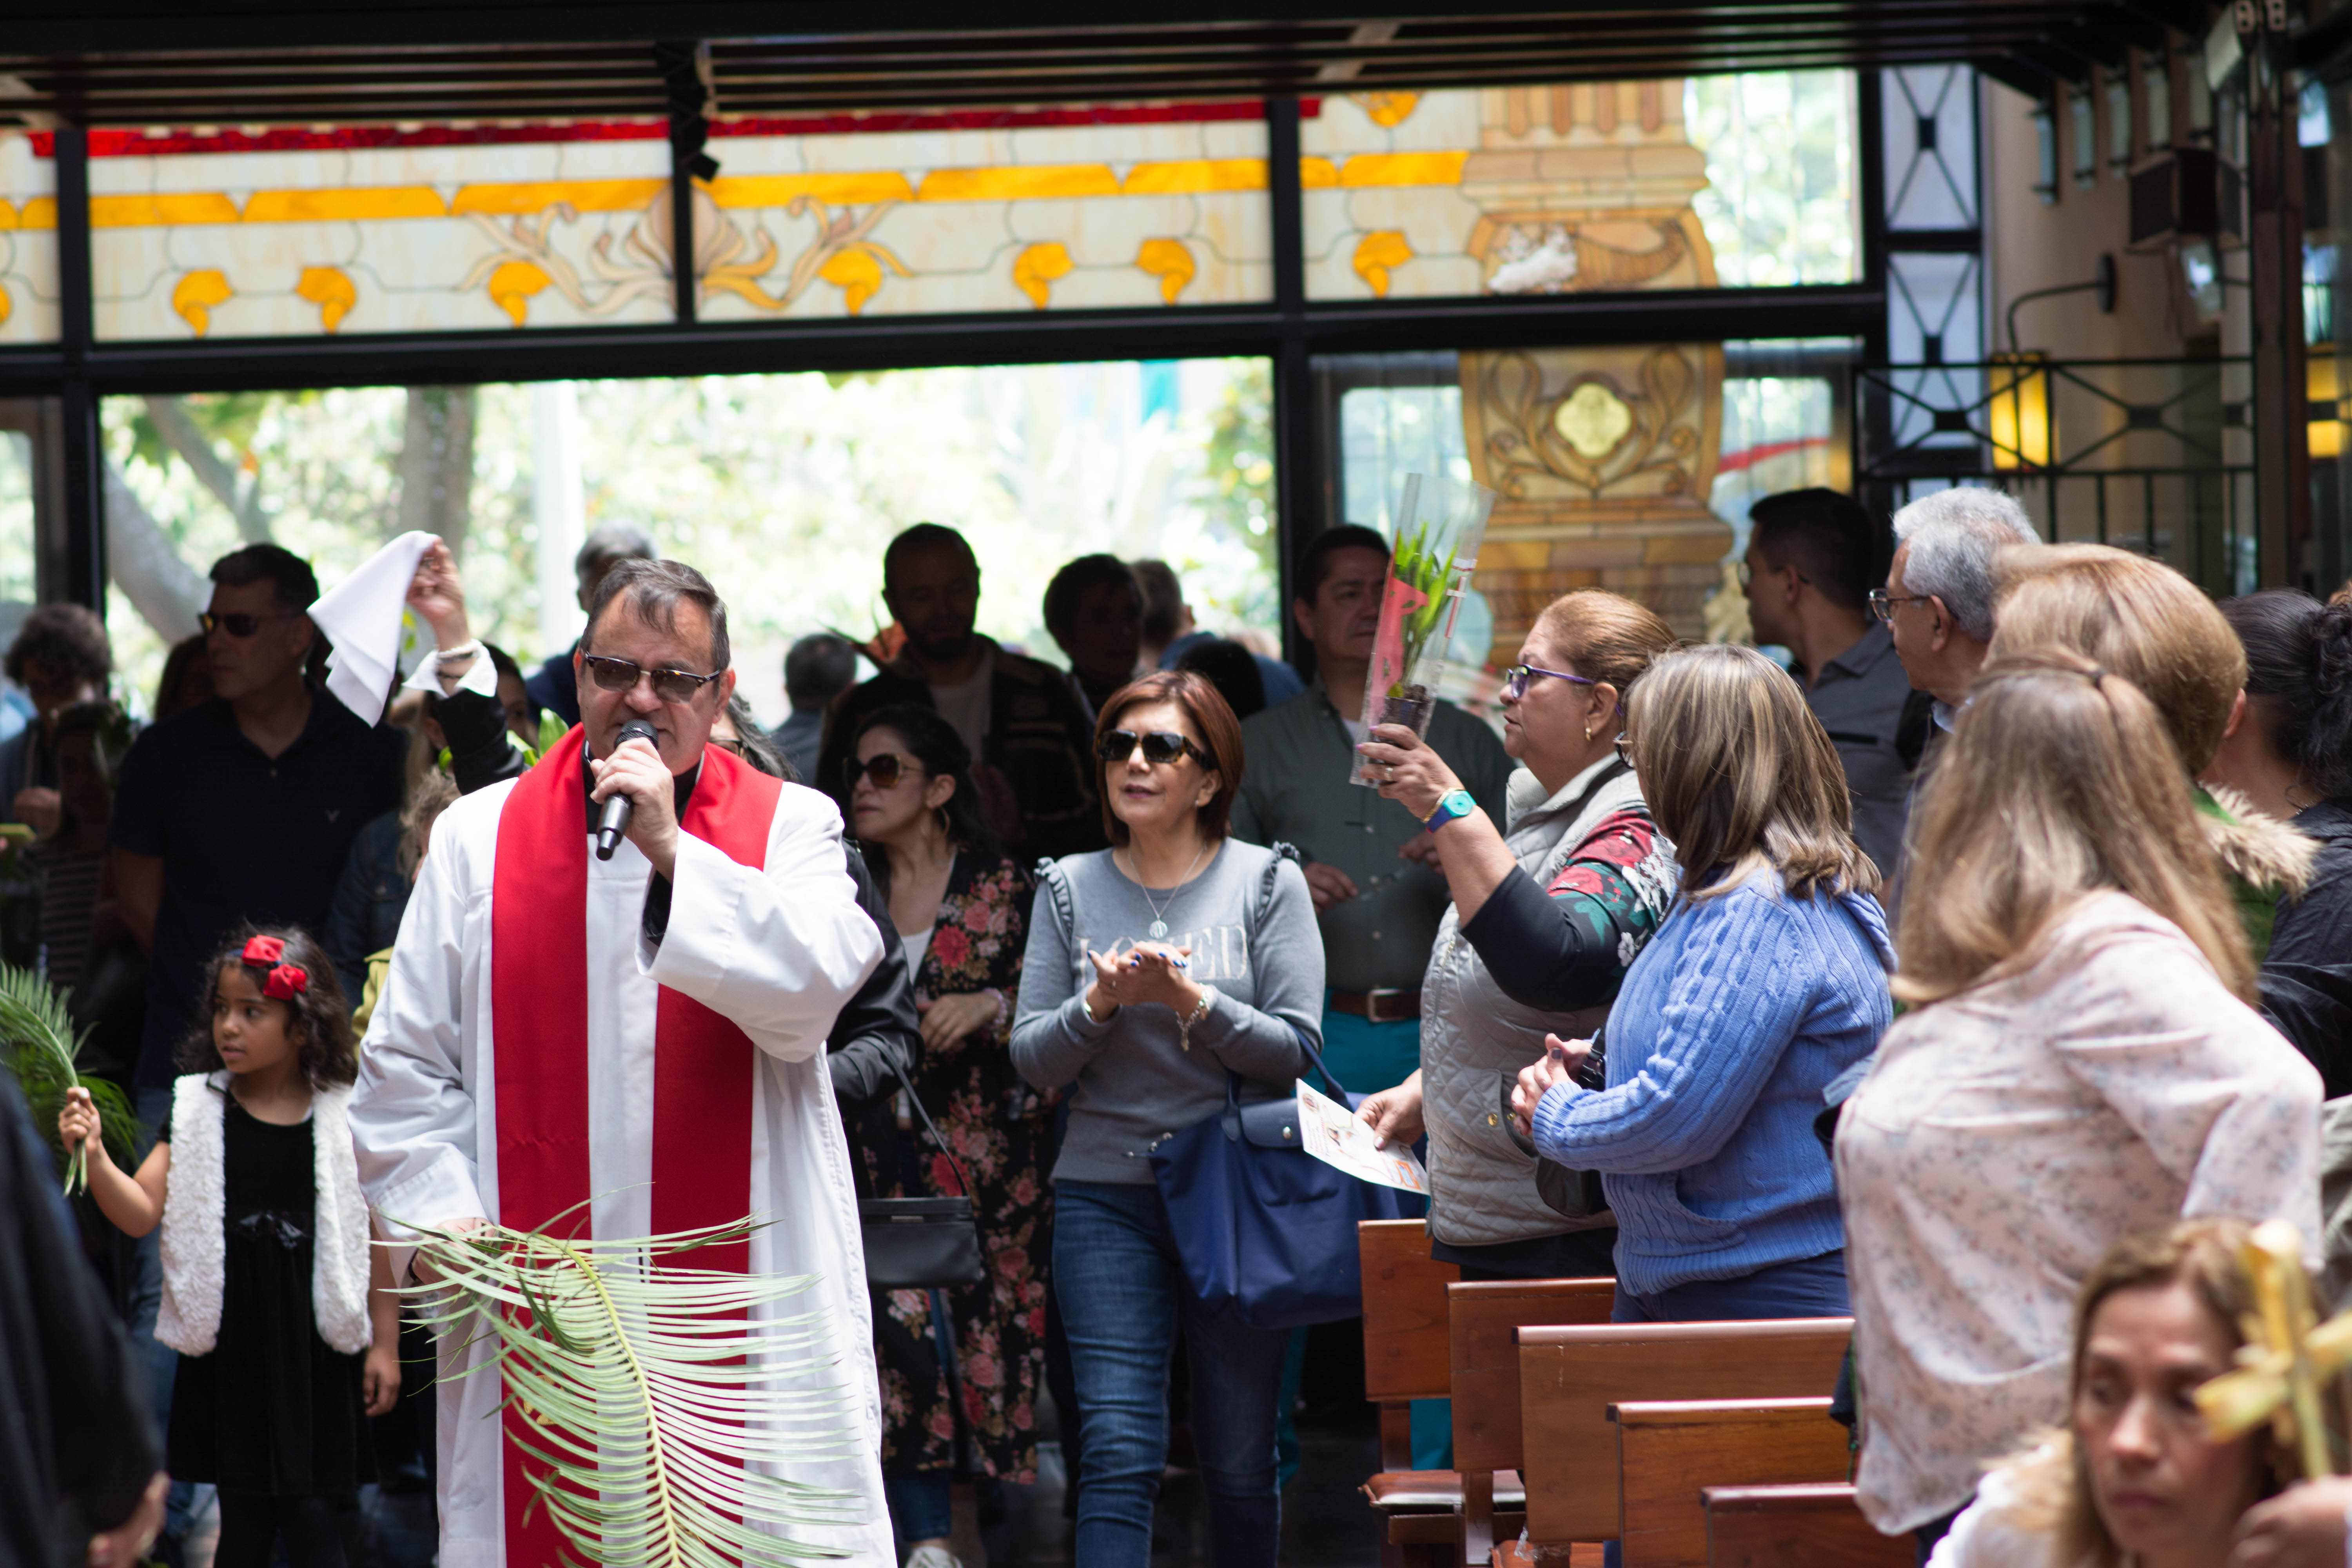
[{"x": 1741, "y": 982}]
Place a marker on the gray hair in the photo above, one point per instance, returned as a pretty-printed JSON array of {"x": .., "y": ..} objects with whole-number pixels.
[
  {"x": 655, "y": 589},
  {"x": 1955, "y": 537},
  {"x": 613, "y": 541}
]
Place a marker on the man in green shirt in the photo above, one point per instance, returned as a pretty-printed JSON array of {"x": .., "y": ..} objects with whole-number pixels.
[{"x": 1370, "y": 864}]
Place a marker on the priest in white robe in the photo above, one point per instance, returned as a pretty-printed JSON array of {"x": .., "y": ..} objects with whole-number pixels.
[{"x": 647, "y": 1032}]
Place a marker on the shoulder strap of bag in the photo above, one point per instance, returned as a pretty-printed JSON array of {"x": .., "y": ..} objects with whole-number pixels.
[
  {"x": 929, "y": 1128},
  {"x": 1257, "y": 913}
]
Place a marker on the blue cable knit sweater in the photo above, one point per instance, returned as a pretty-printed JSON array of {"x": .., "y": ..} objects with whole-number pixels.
[{"x": 1727, "y": 1027}]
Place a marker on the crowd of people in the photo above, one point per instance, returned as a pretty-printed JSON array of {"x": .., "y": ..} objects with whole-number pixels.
[{"x": 1977, "y": 968}]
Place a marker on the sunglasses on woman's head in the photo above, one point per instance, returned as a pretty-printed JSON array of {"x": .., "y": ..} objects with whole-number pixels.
[
  {"x": 669, "y": 685},
  {"x": 236, "y": 623},
  {"x": 885, "y": 768},
  {"x": 1160, "y": 747}
]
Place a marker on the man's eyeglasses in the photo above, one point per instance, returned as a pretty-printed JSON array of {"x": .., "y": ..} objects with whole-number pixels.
[
  {"x": 883, "y": 768},
  {"x": 1882, "y": 602},
  {"x": 669, "y": 685},
  {"x": 1160, "y": 747},
  {"x": 1516, "y": 680},
  {"x": 1625, "y": 748},
  {"x": 236, "y": 623},
  {"x": 1747, "y": 575}
]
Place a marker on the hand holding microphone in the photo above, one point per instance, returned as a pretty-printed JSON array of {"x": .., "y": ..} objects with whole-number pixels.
[{"x": 626, "y": 782}]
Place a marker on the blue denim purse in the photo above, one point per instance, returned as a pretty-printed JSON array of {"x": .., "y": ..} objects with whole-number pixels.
[{"x": 1266, "y": 1231}]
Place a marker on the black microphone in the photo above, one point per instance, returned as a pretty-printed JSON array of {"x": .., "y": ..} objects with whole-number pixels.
[{"x": 614, "y": 823}]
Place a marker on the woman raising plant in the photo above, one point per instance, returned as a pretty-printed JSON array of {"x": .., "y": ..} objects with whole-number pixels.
[
  {"x": 961, "y": 909},
  {"x": 1155, "y": 969}
]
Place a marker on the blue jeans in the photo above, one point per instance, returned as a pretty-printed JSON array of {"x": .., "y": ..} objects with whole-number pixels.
[
  {"x": 1809, "y": 1287},
  {"x": 922, "y": 1505},
  {"x": 1123, "y": 1298}
]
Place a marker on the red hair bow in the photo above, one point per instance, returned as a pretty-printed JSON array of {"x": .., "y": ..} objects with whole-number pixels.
[
  {"x": 261, "y": 950},
  {"x": 285, "y": 983}
]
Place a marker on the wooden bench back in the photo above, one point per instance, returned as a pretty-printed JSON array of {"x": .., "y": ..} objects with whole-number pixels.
[
  {"x": 1569, "y": 1377},
  {"x": 1486, "y": 1380},
  {"x": 1817, "y": 1526},
  {"x": 1669, "y": 1452},
  {"x": 1405, "y": 1326}
]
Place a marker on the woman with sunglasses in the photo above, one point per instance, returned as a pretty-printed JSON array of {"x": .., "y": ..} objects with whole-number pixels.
[
  {"x": 961, "y": 909},
  {"x": 1155, "y": 969},
  {"x": 1549, "y": 910}
]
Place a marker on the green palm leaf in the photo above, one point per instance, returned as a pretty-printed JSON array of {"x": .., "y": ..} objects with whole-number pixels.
[
  {"x": 666, "y": 1408},
  {"x": 39, "y": 1045}
]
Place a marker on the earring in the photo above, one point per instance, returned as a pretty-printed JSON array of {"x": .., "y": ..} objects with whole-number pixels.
[{"x": 1588, "y": 732}]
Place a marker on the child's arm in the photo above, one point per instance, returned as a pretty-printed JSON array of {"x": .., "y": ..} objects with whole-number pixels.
[
  {"x": 379, "y": 1379},
  {"x": 135, "y": 1204}
]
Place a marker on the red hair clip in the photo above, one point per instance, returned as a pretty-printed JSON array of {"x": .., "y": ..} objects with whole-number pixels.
[
  {"x": 263, "y": 950},
  {"x": 285, "y": 983}
]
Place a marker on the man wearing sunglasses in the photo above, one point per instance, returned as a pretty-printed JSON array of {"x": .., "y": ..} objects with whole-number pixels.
[
  {"x": 1377, "y": 896},
  {"x": 555, "y": 685},
  {"x": 1032, "y": 743},
  {"x": 641, "y": 1037}
]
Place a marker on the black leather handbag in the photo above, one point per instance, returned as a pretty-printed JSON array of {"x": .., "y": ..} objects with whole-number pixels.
[
  {"x": 922, "y": 1243},
  {"x": 1571, "y": 1193}
]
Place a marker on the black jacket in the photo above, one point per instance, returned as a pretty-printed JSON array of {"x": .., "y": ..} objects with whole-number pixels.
[
  {"x": 1040, "y": 742},
  {"x": 2306, "y": 978},
  {"x": 77, "y": 1444},
  {"x": 875, "y": 1035}
]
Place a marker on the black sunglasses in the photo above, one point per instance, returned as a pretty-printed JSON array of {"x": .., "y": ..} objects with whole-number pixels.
[
  {"x": 236, "y": 623},
  {"x": 669, "y": 685},
  {"x": 1160, "y": 747},
  {"x": 885, "y": 768}
]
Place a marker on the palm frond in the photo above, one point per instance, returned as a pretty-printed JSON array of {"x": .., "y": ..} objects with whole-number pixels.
[
  {"x": 39, "y": 1045},
  {"x": 666, "y": 1408}
]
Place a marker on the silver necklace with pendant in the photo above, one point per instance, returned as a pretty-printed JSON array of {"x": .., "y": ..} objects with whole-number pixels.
[{"x": 1159, "y": 911}]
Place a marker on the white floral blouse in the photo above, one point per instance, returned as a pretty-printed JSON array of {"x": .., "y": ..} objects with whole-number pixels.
[{"x": 2007, "y": 1136}]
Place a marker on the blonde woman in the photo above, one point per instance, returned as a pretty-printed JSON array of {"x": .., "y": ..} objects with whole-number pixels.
[
  {"x": 1767, "y": 980},
  {"x": 2080, "y": 1062},
  {"x": 2157, "y": 629},
  {"x": 2134, "y": 1477}
]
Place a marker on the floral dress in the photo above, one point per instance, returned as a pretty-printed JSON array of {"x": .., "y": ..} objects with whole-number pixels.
[{"x": 1001, "y": 1130}]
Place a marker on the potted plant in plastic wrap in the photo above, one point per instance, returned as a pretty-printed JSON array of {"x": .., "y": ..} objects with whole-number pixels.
[{"x": 1439, "y": 526}]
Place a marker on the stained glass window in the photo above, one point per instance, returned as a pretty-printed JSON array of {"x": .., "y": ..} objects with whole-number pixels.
[
  {"x": 1744, "y": 181},
  {"x": 393, "y": 230},
  {"x": 29, "y": 242}
]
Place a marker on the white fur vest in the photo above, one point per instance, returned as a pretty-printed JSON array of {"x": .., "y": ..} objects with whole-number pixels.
[{"x": 195, "y": 1220}]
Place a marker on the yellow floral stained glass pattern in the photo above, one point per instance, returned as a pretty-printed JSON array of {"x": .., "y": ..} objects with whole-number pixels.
[{"x": 29, "y": 242}]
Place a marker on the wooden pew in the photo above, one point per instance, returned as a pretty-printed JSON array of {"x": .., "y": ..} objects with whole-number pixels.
[
  {"x": 1406, "y": 1358},
  {"x": 1670, "y": 1451},
  {"x": 1484, "y": 1317},
  {"x": 1816, "y": 1526},
  {"x": 1570, "y": 1377}
]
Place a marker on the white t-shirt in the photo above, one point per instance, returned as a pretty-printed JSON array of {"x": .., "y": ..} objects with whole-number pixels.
[
  {"x": 916, "y": 947},
  {"x": 965, "y": 704}
]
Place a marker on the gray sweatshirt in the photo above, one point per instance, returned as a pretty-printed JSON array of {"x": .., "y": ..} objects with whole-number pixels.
[{"x": 1262, "y": 955}]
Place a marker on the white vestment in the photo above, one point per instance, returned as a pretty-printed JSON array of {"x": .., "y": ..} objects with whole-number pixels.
[{"x": 776, "y": 951}]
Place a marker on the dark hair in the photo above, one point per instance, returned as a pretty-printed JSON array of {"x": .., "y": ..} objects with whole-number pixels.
[
  {"x": 318, "y": 1017},
  {"x": 1829, "y": 538},
  {"x": 924, "y": 536},
  {"x": 1220, "y": 736},
  {"x": 1163, "y": 600},
  {"x": 932, "y": 741},
  {"x": 1072, "y": 583},
  {"x": 2299, "y": 673},
  {"x": 295, "y": 584},
  {"x": 1232, "y": 670},
  {"x": 655, "y": 589},
  {"x": 818, "y": 669},
  {"x": 67, "y": 636},
  {"x": 112, "y": 734},
  {"x": 613, "y": 541},
  {"x": 187, "y": 653},
  {"x": 1315, "y": 565},
  {"x": 755, "y": 744}
]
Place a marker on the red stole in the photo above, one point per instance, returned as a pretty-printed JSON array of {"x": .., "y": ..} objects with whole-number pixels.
[{"x": 703, "y": 1065}]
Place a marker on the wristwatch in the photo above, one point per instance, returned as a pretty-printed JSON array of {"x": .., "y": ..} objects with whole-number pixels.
[{"x": 1456, "y": 804}]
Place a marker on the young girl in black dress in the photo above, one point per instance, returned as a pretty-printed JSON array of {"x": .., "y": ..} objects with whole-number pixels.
[{"x": 281, "y": 1312}]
